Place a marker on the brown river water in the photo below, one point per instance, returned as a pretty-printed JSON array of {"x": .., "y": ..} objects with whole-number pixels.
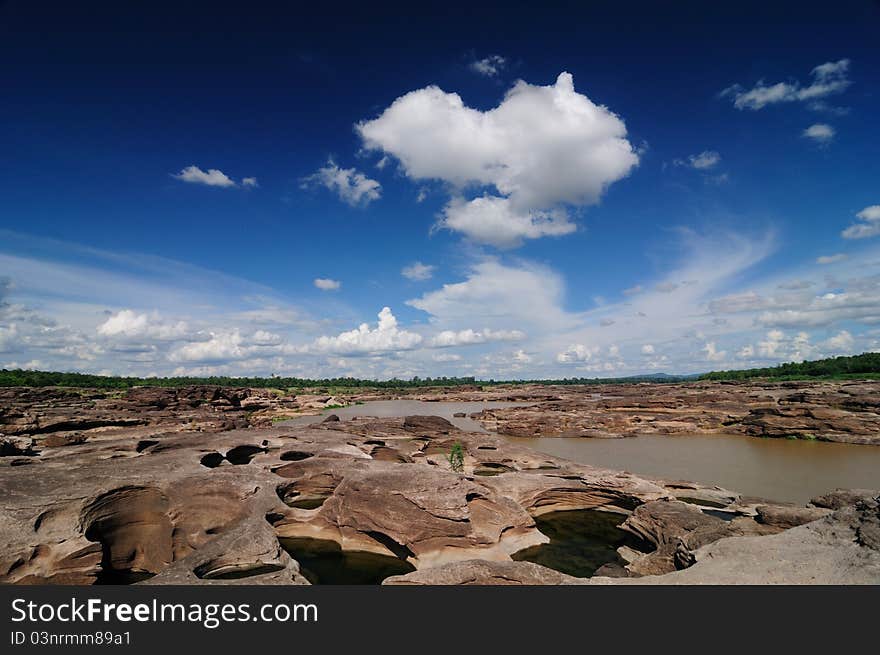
[{"x": 777, "y": 469}]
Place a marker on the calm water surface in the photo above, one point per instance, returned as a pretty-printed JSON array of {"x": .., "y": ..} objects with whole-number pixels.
[
  {"x": 389, "y": 408},
  {"x": 778, "y": 469}
]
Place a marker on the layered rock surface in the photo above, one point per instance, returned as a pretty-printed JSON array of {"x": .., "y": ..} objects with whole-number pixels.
[
  {"x": 169, "y": 487},
  {"x": 847, "y": 412}
]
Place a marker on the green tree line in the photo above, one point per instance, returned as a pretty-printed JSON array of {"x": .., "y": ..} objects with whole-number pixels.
[
  {"x": 866, "y": 364},
  {"x": 28, "y": 378}
]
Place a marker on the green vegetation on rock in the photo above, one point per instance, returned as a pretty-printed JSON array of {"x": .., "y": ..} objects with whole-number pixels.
[{"x": 456, "y": 457}]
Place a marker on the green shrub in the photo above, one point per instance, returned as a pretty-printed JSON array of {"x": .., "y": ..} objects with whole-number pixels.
[{"x": 456, "y": 457}]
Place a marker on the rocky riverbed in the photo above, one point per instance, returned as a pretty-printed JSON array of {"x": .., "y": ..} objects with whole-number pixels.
[
  {"x": 197, "y": 485},
  {"x": 845, "y": 412}
]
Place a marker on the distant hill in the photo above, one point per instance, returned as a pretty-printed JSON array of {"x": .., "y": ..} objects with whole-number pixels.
[{"x": 866, "y": 365}]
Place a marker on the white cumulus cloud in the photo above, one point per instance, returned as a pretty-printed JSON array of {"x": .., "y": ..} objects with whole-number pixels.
[
  {"x": 129, "y": 324},
  {"x": 417, "y": 271},
  {"x": 577, "y": 352},
  {"x": 489, "y": 66},
  {"x": 841, "y": 342},
  {"x": 820, "y": 133},
  {"x": 493, "y": 220},
  {"x": 219, "y": 347},
  {"x": 712, "y": 352},
  {"x": 541, "y": 150},
  {"x": 448, "y": 338},
  {"x": 352, "y": 186},
  {"x": 326, "y": 284},
  {"x": 868, "y": 224},
  {"x": 385, "y": 337},
  {"x": 211, "y": 177}
]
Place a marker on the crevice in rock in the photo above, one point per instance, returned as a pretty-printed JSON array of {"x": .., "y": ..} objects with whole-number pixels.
[
  {"x": 212, "y": 460},
  {"x": 324, "y": 562},
  {"x": 295, "y": 455},
  {"x": 241, "y": 455},
  {"x": 399, "y": 549}
]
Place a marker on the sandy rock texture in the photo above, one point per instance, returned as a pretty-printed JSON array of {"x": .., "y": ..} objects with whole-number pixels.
[
  {"x": 847, "y": 412},
  {"x": 182, "y": 486}
]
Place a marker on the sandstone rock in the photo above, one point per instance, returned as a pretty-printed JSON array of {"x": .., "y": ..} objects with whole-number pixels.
[
  {"x": 843, "y": 498},
  {"x": 789, "y": 517},
  {"x": 841, "y": 548},
  {"x": 435, "y": 424},
  {"x": 482, "y": 572},
  {"x": 420, "y": 514},
  {"x": 16, "y": 446},
  {"x": 825, "y": 410}
]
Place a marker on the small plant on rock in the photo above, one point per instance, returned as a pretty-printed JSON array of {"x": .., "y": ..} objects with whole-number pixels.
[{"x": 456, "y": 457}]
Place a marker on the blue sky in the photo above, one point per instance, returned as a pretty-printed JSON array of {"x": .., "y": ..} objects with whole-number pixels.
[{"x": 203, "y": 189}]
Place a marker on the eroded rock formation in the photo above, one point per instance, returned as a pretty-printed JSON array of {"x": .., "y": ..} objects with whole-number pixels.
[
  {"x": 169, "y": 487},
  {"x": 847, "y": 412}
]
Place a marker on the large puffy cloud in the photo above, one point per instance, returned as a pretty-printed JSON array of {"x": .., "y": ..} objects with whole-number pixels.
[
  {"x": 541, "y": 149},
  {"x": 385, "y": 337},
  {"x": 129, "y": 324},
  {"x": 828, "y": 78},
  {"x": 577, "y": 352},
  {"x": 494, "y": 221},
  {"x": 868, "y": 224},
  {"x": 219, "y": 347},
  {"x": 352, "y": 186},
  {"x": 468, "y": 337}
]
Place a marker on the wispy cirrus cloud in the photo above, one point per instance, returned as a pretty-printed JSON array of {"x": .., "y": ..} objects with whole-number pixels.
[
  {"x": 826, "y": 79},
  {"x": 212, "y": 177},
  {"x": 702, "y": 161}
]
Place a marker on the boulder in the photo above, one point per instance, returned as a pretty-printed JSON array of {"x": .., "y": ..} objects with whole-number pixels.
[{"x": 789, "y": 517}]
